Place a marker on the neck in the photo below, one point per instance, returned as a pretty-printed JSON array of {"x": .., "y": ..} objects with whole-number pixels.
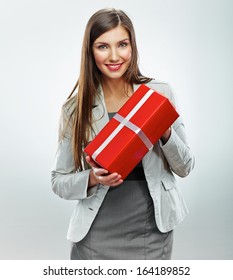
[{"x": 116, "y": 87}]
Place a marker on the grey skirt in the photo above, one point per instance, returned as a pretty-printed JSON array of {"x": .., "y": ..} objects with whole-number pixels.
[{"x": 125, "y": 228}]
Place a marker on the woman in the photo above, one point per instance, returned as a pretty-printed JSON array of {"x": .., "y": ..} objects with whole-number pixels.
[{"x": 116, "y": 219}]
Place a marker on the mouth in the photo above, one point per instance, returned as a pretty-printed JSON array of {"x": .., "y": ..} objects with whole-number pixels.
[{"x": 114, "y": 67}]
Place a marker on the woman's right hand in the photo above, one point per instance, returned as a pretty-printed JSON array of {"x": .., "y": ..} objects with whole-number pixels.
[{"x": 99, "y": 175}]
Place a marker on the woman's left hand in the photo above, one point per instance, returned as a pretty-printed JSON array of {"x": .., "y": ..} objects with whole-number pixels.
[{"x": 166, "y": 136}]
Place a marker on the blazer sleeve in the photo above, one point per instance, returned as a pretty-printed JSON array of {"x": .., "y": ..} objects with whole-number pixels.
[
  {"x": 67, "y": 183},
  {"x": 176, "y": 149}
]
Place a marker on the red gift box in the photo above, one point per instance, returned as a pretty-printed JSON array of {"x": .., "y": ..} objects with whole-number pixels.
[{"x": 132, "y": 131}]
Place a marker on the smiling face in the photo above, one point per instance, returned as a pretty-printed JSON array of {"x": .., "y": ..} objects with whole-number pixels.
[{"x": 112, "y": 53}]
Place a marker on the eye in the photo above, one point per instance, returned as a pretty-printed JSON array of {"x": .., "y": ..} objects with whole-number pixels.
[
  {"x": 123, "y": 44},
  {"x": 102, "y": 47}
]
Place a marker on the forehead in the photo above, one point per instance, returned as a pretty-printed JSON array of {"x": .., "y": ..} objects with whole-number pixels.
[{"x": 113, "y": 35}]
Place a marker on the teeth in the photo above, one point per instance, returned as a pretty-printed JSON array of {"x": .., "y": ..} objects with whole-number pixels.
[{"x": 114, "y": 66}]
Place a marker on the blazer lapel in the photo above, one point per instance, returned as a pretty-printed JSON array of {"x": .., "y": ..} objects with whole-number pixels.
[{"x": 100, "y": 114}]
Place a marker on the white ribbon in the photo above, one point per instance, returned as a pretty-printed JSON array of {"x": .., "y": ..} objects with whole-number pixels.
[
  {"x": 125, "y": 121},
  {"x": 136, "y": 129}
]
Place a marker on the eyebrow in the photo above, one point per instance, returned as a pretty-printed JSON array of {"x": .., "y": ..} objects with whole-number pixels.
[{"x": 104, "y": 43}]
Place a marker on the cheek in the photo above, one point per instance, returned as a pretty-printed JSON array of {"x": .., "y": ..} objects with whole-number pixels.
[
  {"x": 128, "y": 55},
  {"x": 99, "y": 57}
]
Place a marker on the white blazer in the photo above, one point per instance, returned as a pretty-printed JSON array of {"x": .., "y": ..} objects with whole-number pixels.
[{"x": 159, "y": 164}]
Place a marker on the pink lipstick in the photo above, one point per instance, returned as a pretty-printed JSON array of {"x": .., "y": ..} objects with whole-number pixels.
[{"x": 114, "y": 67}]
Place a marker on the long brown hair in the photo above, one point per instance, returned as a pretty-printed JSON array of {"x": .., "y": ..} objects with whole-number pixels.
[{"x": 90, "y": 76}]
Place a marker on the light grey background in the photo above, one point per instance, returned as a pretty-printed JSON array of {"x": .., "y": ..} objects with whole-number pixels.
[{"x": 187, "y": 43}]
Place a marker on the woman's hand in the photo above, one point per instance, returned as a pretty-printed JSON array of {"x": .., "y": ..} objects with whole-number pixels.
[
  {"x": 101, "y": 175},
  {"x": 166, "y": 136}
]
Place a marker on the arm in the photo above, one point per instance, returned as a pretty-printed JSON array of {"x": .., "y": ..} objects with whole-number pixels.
[
  {"x": 66, "y": 182},
  {"x": 175, "y": 146},
  {"x": 177, "y": 152}
]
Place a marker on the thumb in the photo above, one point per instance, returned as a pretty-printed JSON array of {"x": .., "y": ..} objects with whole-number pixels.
[
  {"x": 99, "y": 171},
  {"x": 91, "y": 162}
]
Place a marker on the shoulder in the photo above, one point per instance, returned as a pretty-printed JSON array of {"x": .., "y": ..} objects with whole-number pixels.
[
  {"x": 69, "y": 106},
  {"x": 66, "y": 118},
  {"x": 161, "y": 87}
]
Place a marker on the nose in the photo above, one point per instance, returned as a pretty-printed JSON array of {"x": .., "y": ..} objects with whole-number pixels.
[{"x": 113, "y": 56}]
